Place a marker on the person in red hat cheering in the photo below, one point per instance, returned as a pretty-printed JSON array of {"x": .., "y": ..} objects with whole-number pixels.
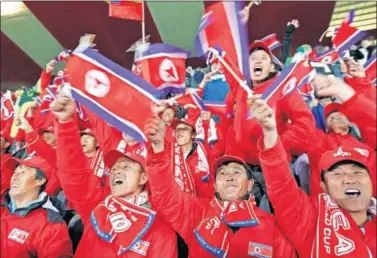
[
  {"x": 30, "y": 223},
  {"x": 191, "y": 159},
  {"x": 119, "y": 222},
  {"x": 227, "y": 225},
  {"x": 341, "y": 222}
]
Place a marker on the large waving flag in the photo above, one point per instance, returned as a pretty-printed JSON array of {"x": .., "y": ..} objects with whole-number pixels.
[
  {"x": 221, "y": 26},
  {"x": 131, "y": 10},
  {"x": 370, "y": 69},
  {"x": 164, "y": 66},
  {"x": 347, "y": 35},
  {"x": 114, "y": 93}
]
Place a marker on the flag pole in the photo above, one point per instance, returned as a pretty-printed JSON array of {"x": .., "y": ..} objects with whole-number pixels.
[{"x": 143, "y": 22}]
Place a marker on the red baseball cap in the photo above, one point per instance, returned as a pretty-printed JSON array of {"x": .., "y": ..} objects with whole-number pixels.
[
  {"x": 186, "y": 121},
  {"x": 228, "y": 158},
  {"x": 33, "y": 162},
  {"x": 113, "y": 155},
  {"x": 330, "y": 158},
  {"x": 330, "y": 108},
  {"x": 88, "y": 132},
  {"x": 260, "y": 44}
]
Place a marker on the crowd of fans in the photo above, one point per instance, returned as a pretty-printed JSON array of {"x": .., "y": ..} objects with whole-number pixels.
[{"x": 299, "y": 182}]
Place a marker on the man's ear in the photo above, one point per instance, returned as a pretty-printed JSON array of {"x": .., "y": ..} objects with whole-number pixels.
[
  {"x": 250, "y": 185},
  {"x": 143, "y": 179},
  {"x": 323, "y": 187},
  {"x": 41, "y": 181},
  {"x": 272, "y": 68}
]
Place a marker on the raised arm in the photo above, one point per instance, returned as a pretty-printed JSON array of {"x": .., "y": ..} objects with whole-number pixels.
[
  {"x": 365, "y": 117},
  {"x": 181, "y": 211},
  {"x": 105, "y": 135},
  {"x": 79, "y": 184},
  {"x": 292, "y": 206}
]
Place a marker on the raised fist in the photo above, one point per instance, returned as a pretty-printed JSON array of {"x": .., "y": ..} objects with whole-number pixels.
[{"x": 63, "y": 108}]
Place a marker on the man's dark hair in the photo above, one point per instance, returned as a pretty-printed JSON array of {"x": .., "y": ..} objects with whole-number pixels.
[
  {"x": 248, "y": 169},
  {"x": 344, "y": 162},
  {"x": 39, "y": 176}
]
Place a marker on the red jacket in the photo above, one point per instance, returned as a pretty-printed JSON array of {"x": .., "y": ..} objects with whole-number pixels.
[
  {"x": 36, "y": 231},
  {"x": 296, "y": 213},
  {"x": 109, "y": 138},
  {"x": 81, "y": 189},
  {"x": 363, "y": 86},
  {"x": 362, "y": 111},
  {"x": 294, "y": 122},
  {"x": 184, "y": 212}
]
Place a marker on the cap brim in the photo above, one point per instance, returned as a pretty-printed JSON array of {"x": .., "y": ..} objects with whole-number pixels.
[
  {"x": 331, "y": 108},
  {"x": 177, "y": 121},
  {"x": 227, "y": 158},
  {"x": 260, "y": 44},
  {"x": 113, "y": 155},
  {"x": 331, "y": 164}
]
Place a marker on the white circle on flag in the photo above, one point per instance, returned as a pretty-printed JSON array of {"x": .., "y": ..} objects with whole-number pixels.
[
  {"x": 97, "y": 83},
  {"x": 289, "y": 86},
  {"x": 326, "y": 59},
  {"x": 168, "y": 71}
]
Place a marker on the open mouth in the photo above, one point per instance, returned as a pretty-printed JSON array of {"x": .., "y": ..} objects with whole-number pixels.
[
  {"x": 258, "y": 70},
  {"x": 14, "y": 185},
  {"x": 352, "y": 193},
  {"x": 117, "y": 182}
]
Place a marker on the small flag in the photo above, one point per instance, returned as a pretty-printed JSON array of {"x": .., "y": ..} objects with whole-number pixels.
[
  {"x": 347, "y": 35},
  {"x": 260, "y": 250},
  {"x": 272, "y": 41},
  {"x": 63, "y": 56},
  {"x": 216, "y": 107},
  {"x": 370, "y": 69},
  {"x": 292, "y": 76},
  {"x": 188, "y": 99},
  {"x": 221, "y": 26},
  {"x": 329, "y": 57},
  {"x": 110, "y": 91},
  {"x": 164, "y": 66},
  {"x": 46, "y": 98},
  {"x": 130, "y": 10}
]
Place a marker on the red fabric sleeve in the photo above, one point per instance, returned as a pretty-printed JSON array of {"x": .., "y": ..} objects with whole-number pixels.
[
  {"x": 361, "y": 111},
  {"x": 181, "y": 211},
  {"x": 36, "y": 143},
  {"x": 79, "y": 184},
  {"x": 294, "y": 108},
  {"x": 363, "y": 86},
  {"x": 44, "y": 80},
  {"x": 106, "y": 136},
  {"x": 55, "y": 242},
  {"x": 294, "y": 212}
]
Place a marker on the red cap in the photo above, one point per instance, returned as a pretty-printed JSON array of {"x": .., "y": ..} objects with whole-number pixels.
[
  {"x": 186, "y": 121},
  {"x": 260, "y": 44},
  {"x": 227, "y": 158},
  {"x": 113, "y": 155},
  {"x": 330, "y": 108},
  {"x": 330, "y": 158},
  {"x": 33, "y": 162},
  {"x": 88, "y": 132}
]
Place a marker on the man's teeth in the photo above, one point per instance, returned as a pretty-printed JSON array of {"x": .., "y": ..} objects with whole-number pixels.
[{"x": 352, "y": 192}]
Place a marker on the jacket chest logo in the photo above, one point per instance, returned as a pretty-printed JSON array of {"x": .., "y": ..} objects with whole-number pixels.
[
  {"x": 259, "y": 250},
  {"x": 18, "y": 235}
]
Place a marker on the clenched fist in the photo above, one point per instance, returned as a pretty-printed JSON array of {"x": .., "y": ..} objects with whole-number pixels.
[
  {"x": 326, "y": 86},
  {"x": 63, "y": 108},
  {"x": 155, "y": 131}
]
